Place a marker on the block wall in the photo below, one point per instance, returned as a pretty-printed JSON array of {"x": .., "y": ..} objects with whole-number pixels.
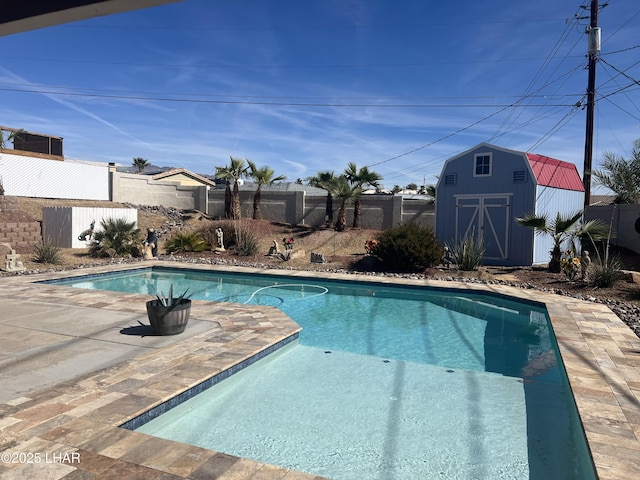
[{"x": 20, "y": 235}]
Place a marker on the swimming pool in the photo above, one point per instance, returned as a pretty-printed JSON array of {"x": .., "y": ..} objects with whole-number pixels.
[{"x": 460, "y": 384}]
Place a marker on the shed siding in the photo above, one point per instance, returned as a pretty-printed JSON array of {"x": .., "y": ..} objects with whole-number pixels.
[
  {"x": 549, "y": 202},
  {"x": 505, "y": 164}
]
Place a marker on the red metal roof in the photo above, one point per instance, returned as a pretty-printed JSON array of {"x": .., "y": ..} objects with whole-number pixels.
[{"x": 555, "y": 173}]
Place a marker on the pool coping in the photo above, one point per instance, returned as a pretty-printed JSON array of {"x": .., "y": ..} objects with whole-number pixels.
[{"x": 600, "y": 353}]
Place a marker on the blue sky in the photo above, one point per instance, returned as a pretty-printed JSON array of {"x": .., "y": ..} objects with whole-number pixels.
[{"x": 308, "y": 86}]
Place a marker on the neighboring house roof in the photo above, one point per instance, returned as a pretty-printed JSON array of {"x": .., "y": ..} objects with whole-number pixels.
[
  {"x": 603, "y": 199},
  {"x": 177, "y": 173},
  {"x": 284, "y": 187},
  {"x": 555, "y": 173}
]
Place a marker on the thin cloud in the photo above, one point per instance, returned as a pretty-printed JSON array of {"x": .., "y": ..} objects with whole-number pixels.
[{"x": 16, "y": 78}]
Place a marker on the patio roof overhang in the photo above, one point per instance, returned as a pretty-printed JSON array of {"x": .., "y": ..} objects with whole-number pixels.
[{"x": 16, "y": 17}]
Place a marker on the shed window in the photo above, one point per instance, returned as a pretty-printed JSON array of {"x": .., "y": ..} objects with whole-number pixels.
[
  {"x": 450, "y": 179},
  {"x": 519, "y": 176},
  {"x": 482, "y": 166}
]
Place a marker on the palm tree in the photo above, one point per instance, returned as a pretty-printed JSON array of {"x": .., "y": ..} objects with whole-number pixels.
[
  {"x": 11, "y": 136},
  {"x": 262, "y": 176},
  {"x": 326, "y": 181},
  {"x": 234, "y": 171},
  {"x": 346, "y": 193},
  {"x": 562, "y": 228},
  {"x": 117, "y": 238},
  {"x": 360, "y": 178},
  {"x": 140, "y": 163},
  {"x": 430, "y": 191},
  {"x": 621, "y": 176}
]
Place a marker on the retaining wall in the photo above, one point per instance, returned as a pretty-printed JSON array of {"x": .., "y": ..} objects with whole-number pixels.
[{"x": 20, "y": 235}]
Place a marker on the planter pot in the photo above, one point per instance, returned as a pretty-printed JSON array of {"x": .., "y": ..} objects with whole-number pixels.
[{"x": 170, "y": 320}]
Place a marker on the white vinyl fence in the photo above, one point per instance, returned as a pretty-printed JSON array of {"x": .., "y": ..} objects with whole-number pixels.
[{"x": 25, "y": 176}]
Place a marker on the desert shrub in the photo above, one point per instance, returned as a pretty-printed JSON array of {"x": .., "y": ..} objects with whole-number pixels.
[
  {"x": 46, "y": 252},
  {"x": 208, "y": 233},
  {"x": 604, "y": 272},
  {"x": 605, "y": 269},
  {"x": 467, "y": 253},
  {"x": 118, "y": 238},
  {"x": 181, "y": 242},
  {"x": 247, "y": 241},
  {"x": 408, "y": 248}
]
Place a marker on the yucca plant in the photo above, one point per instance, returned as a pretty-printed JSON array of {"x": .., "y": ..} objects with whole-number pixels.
[
  {"x": 467, "y": 253},
  {"x": 247, "y": 242},
  {"x": 603, "y": 272},
  {"x": 46, "y": 252}
]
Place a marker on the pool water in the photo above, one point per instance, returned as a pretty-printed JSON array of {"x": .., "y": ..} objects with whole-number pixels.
[{"x": 386, "y": 382}]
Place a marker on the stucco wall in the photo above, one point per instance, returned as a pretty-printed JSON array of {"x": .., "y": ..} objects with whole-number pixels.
[
  {"x": 143, "y": 190},
  {"x": 296, "y": 207}
]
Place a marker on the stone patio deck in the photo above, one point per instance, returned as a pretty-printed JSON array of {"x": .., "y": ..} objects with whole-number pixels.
[{"x": 69, "y": 428}]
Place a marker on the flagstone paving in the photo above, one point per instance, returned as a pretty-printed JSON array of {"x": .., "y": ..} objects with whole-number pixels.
[{"x": 63, "y": 423}]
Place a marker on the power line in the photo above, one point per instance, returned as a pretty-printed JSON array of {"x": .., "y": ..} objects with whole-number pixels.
[
  {"x": 441, "y": 138},
  {"x": 255, "y": 102},
  {"x": 288, "y": 97},
  {"x": 190, "y": 28},
  {"x": 550, "y": 56},
  {"x": 270, "y": 66},
  {"x": 621, "y": 72}
]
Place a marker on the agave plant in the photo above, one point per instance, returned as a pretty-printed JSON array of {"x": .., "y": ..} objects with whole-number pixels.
[{"x": 170, "y": 300}]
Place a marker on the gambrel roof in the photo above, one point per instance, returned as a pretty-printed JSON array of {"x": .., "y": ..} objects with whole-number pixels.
[{"x": 555, "y": 173}]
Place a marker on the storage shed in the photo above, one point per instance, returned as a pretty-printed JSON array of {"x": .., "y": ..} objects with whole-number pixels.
[{"x": 483, "y": 190}]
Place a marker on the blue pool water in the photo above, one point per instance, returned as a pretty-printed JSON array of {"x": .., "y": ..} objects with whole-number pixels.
[{"x": 386, "y": 382}]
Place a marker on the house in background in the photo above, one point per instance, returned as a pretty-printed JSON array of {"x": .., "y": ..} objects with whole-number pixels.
[
  {"x": 483, "y": 190},
  {"x": 184, "y": 177}
]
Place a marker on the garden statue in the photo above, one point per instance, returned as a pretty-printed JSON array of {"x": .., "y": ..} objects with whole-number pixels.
[
  {"x": 585, "y": 261},
  {"x": 288, "y": 243},
  {"x": 151, "y": 244},
  {"x": 12, "y": 262},
  {"x": 273, "y": 250},
  {"x": 220, "y": 238},
  {"x": 447, "y": 259},
  {"x": 86, "y": 235}
]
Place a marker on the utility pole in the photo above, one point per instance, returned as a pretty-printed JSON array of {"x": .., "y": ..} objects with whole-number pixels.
[{"x": 593, "y": 31}]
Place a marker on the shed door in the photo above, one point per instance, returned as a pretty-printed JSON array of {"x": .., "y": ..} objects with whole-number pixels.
[{"x": 486, "y": 216}]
